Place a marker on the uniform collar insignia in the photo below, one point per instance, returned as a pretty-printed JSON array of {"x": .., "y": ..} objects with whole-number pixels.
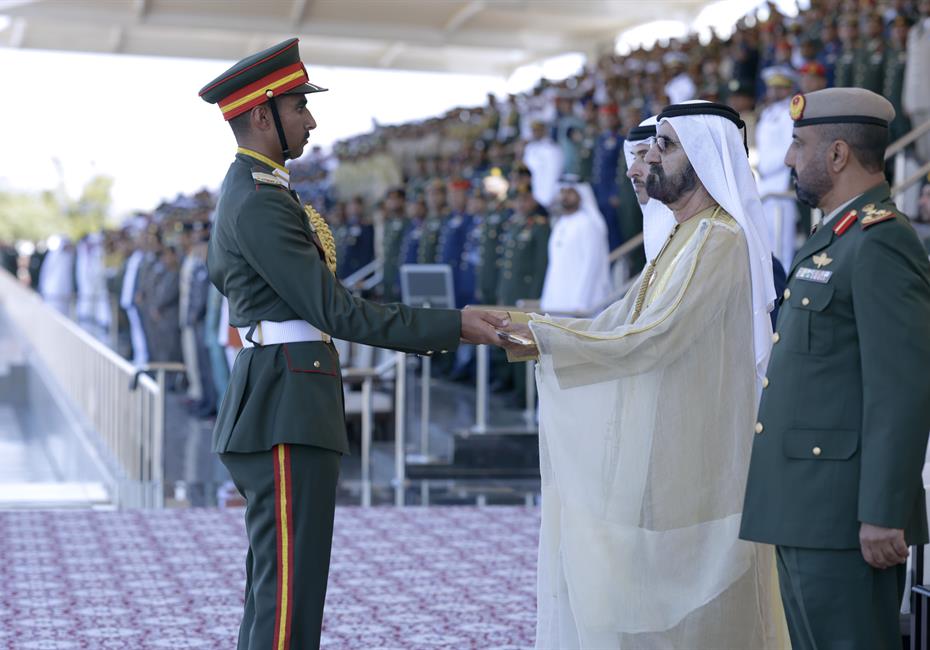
[
  {"x": 280, "y": 171},
  {"x": 843, "y": 224},
  {"x": 821, "y": 260}
]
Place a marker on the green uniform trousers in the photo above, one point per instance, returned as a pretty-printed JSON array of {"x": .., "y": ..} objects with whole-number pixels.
[
  {"x": 835, "y": 601},
  {"x": 290, "y": 495}
]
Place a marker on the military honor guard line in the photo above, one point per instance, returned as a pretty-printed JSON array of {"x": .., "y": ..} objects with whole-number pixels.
[{"x": 712, "y": 477}]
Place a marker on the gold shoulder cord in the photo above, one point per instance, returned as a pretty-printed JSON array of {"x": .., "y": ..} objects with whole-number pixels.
[
  {"x": 318, "y": 224},
  {"x": 649, "y": 274}
]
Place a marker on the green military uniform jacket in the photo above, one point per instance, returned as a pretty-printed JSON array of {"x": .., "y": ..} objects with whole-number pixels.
[
  {"x": 845, "y": 411},
  {"x": 525, "y": 257},
  {"x": 391, "y": 244},
  {"x": 428, "y": 252},
  {"x": 869, "y": 70},
  {"x": 489, "y": 254},
  {"x": 265, "y": 259}
]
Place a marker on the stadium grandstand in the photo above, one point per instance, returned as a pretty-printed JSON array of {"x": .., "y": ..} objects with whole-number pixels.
[{"x": 120, "y": 527}]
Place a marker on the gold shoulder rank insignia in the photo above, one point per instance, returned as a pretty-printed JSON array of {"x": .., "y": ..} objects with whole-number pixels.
[
  {"x": 821, "y": 260},
  {"x": 268, "y": 179},
  {"x": 875, "y": 215}
]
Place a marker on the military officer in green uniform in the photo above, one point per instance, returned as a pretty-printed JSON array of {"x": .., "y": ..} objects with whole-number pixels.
[
  {"x": 895, "y": 63},
  {"x": 846, "y": 63},
  {"x": 488, "y": 230},
  {"x": 835, "y": 475},
  {"x": 396, "y": 226},
  {"x": 869, "y": 70},
  {"x": 525, "y": 256},
  {"x": 280, "y": 430},
  {"x": 436, "y": 216}
]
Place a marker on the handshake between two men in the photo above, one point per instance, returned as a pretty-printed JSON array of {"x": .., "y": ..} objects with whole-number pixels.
[{"x": 486, "y": 327}]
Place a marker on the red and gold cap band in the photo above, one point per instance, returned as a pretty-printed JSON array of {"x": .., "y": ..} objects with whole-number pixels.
[{"x": 278, "y": 82}]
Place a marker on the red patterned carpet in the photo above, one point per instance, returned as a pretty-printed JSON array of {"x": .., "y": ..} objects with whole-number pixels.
[{"x": 404, "y": 579}]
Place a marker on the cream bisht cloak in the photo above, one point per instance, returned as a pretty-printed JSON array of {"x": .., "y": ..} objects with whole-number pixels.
[{"x": 645, "y": 434}]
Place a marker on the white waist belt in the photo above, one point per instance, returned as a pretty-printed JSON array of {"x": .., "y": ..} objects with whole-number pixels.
[{"x": 290, "y": 331}]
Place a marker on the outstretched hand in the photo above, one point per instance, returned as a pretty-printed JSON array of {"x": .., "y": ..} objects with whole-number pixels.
[
  {"x": 479, "y": 326},
  {"x": 522, "y": 330}
]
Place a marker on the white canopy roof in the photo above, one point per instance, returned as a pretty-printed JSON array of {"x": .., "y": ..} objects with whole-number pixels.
[{"x": 474, "y": 36}]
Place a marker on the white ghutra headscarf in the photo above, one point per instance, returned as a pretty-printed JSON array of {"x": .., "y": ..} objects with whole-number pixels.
[
  {"x": 658, "y": 220},
  {"x": 711, "y": 139}
]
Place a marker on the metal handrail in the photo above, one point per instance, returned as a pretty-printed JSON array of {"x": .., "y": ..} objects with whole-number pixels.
[
  {"x": 355, "y": 279},
  {"x": 626, "y": 248},
  {"x": 129, "y": 421},
  {"x": 911, "y": 136},
  {"x": 366, "y": 377}
]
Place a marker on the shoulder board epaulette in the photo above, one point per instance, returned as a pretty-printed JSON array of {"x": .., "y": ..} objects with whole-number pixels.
[
  {"x": 844, "y": 222},
  {"x": 264, "y": 178},
  {"x": 874, "y": 215}
]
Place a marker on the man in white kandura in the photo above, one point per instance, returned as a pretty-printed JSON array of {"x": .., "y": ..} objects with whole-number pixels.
[
  {"x": 643, "y": 420},
  {"x": 578, "y": 274}
]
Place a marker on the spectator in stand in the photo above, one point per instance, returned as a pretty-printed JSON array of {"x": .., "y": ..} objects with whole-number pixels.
[
  {"x": 813, "y": 77},
  {"x": 916, "y": 96},
  {"x": 359, "y": 247},
  {"x": 436, "y": 215},
  {"x": 870, "y": 56},
  {"x": 604, "y": 173},
  {"x": 544, "y": 159},
  {"x": 847, "y": 63},
  {"x": 162, "y": 303}
]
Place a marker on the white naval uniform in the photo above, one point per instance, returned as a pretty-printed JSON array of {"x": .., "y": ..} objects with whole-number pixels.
[{"x": 773, "y": 137}]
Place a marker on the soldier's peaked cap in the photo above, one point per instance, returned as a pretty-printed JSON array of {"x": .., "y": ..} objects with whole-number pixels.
[
  {"x": 259, "y": 77},
  {"x": 841, "y": 106}
]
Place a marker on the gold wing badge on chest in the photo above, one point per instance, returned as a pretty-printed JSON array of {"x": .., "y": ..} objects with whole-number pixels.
[{"x": 821, "y": 260}]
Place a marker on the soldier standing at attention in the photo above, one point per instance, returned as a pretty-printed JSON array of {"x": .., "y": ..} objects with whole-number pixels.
[
  {"x": 835, "y": 476},
  {"x": 846, "y": 62},
  {"x": 395, "y": 228},
  {"x": 280, "y": 430},
  {"x": 436, "y": 215},
  {"x": 525, "y": 244}
]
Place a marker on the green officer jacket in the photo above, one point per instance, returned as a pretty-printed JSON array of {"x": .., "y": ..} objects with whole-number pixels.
[
  {"x": 428, "y": 252},
  {"x": 265, "y": 259},
  {"x": 525, "y": 243},
  {"x": 489, "y": 254},
  {"x": 845, "y": 411},
  {"x": 391, "y": 246}
]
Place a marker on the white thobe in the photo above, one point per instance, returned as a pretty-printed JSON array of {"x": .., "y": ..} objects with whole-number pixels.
[
  {"x": 578, "y": 273},
  {"x": 56, "y": 279},
  {"x": 544, "y": 160},
  {"x": 773, "y": 137},
  {"x": 680, "y": 89},
  {"x": 645, "y": 437}
]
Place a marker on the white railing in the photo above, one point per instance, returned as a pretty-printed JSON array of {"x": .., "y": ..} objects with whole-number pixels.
[{"x": 125, "y": 410}]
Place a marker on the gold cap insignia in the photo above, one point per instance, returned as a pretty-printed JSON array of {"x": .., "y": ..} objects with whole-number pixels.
[{"x": 797, "y": 107}]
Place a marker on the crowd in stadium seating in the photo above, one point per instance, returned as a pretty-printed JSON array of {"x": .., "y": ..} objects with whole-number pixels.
[{"x": 474, "y": 188}]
